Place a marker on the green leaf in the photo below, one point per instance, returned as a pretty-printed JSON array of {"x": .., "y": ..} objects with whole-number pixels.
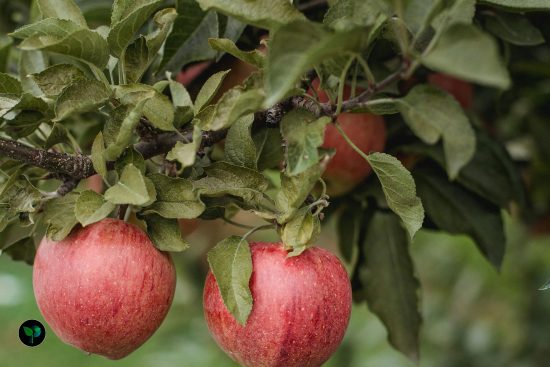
[
  {"x": 142, "y": 52},
  {"x": 127, "y": 17},
  {"x": 209, "y": 89},
  {"x": 59, "y": 134},
  {"x": 456, "y": 210},
  {"x": 31, "y": 62},
  {"x": 268, "y": 14},
  {"x": 130, "y": 189},
  {"x": 18, "y": 195},
  {"x": 188, "y": 42},
  {"x": 300, "y": 231},
  {"x": 239, "y": 146},
  {"x": 165, "y": 233},
  {"x": 91, "y": 207},
  {"x": 399, "y": 189},
  {"x": 125, "y": 118},
  {"x": 433, "y": 115},
  {"x": 294, "y": 191},
  {"x": 158, "y": 109},
  {"x": 461, "y": 11},
  {"x": 303, "y": 133},
  {"x": 23, "y": 250},
  {"x": 234, "y": 104},
  {"x": 231, "y": 263},
  {"x": 545, "y": 286},
  {"x": 27, "y": 331},
  {"x": 296, "y": 48},
  {"x": 59, "y": 214},
  {"x": 182, "y": 103},
  {"x": 491, "y": 173},
  {"x": 185, "y": 153},
  {"x": 389, "y": 282},
  {"x": 37, "y": 331},
  {"x": 227, "y": 179},
  {"x": 61, "y": 9},
  {"x": 64, "y": 37},
  {"x": 54, "y": 79},
  {"x": 176, "y": 198},
  {"x": 514, "y": 28},
  {"x": 254, "y": 57},
  {"x": 349, "y": 14},
  {"x": 130, "y": 156},
  {"x": 98, "y": 156},
  {"x": 10, "y": 85},
  {"x": 269, "y": 151},
  {"x": 82, "y": 96},
  {"x": 522, "y": 5},
  {"x": 24, "y": 124},
  {"x": 419, "y": 13},
  {"x": 458, "y": 46}
]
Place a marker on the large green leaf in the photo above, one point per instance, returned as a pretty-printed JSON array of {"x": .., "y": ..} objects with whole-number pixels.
[
  {"x": 300, "y": 232},
  {"x": 227, "y": 179},
  {"x": 10, "y": 85},
  {"x": 64, "y": 37},
  {"x": 91, "y": 207},
  {"x": 399, "y": 189},
  {"x": 127, "y": 17},
  {"x": 209, "y": 89},
  {"x": 60, "y": 216},
  {"x": 188, "y": 41},
  {"x": 142, "y": 52},
  {"x": 456, "y": 210},
  {"x": 176, "y": 198},
  {"x": 513, "y": 28},
  {"x": 231, "y": 263},
  {"x": 294, "y": 191},
  {"x": 303, "y": 133},
  {"x": 433, "y": 115},
  {"x": 81, "y": 96},
  {"x": 296, "y": 48},
  {"x": 349, "y": 14},
  {"x": 458, "y": 46},
  {"x": 54, "y": 79},
  {"x": 165, "y": 233},
  {"x": 269, "y": 14},
  {"x": 239, "y": 146},
  {"x": 61, "y": 9},
  {"x": 390, "y": 285},
  {"x": 157, "y": 109},
  {"x": 132, "y": 188}
]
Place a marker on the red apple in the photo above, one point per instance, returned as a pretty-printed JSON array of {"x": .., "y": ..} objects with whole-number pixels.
[
  {"x": 461, "y": 90},
  {"x": 188, "y": 226},
  {"x": 95, "y": 183},
  {"x": 347, "y": 168},
  {"x": 301, "y": 309},
  {"x": 104, "y": 289},
  {"x": 187, "y": 76}
]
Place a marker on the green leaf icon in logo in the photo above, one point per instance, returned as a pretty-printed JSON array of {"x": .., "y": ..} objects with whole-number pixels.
[
  {"x": 28, "y": 332},
  {"x": 37, "y": 331}
]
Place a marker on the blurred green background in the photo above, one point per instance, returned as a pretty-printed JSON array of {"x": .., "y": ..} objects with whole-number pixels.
[{"x": 473, "y": 316}]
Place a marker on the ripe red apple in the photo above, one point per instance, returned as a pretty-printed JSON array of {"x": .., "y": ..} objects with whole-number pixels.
[
  {"x": 347, "y": 168},
  {"x": 187, "y": 76},
  {"x": 104, "y": 289},
  {"x": 461, "y": 90},
  {"x": 95, "y": 183},
  {"x": 188, "y": 226},
  {"x": 301, "y": 309}
]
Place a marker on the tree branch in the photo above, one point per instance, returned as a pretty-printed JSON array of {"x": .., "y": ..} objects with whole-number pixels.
[{"x": 73, "y": 168}]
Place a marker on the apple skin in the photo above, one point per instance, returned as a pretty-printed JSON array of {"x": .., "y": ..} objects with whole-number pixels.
[
  {"x": 95, "y": 183},
  {"x": 461, "y": 90},
  {"x": 104, "y": 289},
  {"x": 187, "y": 76},
  {"x": 188, "y": 226},
  {"x": 300, "y": 312},
  {"x": 347, "y": 168}
]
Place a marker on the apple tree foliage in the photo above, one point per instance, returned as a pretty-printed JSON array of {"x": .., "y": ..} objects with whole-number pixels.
[{"x": 89, "y": 88}]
